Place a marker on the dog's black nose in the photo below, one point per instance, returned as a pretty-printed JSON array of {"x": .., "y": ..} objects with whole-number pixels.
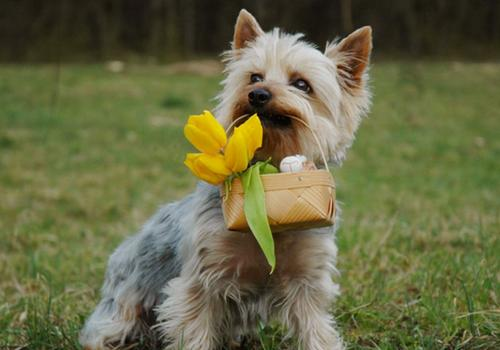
[{"x": 259, "y": 97}]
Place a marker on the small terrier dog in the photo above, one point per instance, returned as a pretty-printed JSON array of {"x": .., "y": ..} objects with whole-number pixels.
[{"x": 184, "y": 277}]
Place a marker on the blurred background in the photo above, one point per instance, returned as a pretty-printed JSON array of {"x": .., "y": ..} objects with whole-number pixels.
[
  {"x": 93, "y": 99},
  {"x": 167, "y": 30}
]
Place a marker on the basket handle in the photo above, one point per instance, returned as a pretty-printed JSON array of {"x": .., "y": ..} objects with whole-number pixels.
[{"x": 323, "y": 156}]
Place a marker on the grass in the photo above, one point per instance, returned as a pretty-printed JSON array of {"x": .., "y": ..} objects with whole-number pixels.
[{"x": 419, "y": 244}]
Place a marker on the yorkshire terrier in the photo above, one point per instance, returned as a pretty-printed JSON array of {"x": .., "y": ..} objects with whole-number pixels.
[{"x": 186, "y": 278}]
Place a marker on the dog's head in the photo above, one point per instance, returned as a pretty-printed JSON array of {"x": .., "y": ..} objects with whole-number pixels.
[{"x": 283, "y": 78}]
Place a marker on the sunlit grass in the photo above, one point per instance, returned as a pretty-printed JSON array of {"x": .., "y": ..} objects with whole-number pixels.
[{"x": 419, "y": 245}]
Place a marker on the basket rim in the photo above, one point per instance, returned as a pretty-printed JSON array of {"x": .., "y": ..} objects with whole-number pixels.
[
  {"x": 297, "y": 173},
  {"x": 237, "y": 188}
]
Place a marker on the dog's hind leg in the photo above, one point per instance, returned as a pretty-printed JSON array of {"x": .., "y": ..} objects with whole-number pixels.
[
  {"x": 136, "y": 273},
  {"x": 116, "y": 319},
  {"x": 121, "y": 315},
  {"x": 111, "y": 324}
]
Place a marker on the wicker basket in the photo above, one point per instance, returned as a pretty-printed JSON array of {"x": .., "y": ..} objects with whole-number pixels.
[{"x": 293, "y": 200}]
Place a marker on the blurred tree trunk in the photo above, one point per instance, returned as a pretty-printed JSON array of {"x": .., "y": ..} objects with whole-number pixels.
[
  {"x": 493, "y": 25},
  {"x": 260, "y": 9},
  {"x": 99, "y": 28},
  {"x": 408, "y": 13},
  {"x": 346, "y": 16},
  {"x": 172, "y": 29},
  {"x": 112, "y": 29},
  {"x": 156, "y": 37},
  {"x": 452, "y": 39},
  {"x": 189, "y": 28}
]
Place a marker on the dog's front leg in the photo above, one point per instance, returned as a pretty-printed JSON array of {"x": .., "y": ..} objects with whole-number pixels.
[
  {"x": 305, "y": 313},
  {"x": 190, "y": 317}
]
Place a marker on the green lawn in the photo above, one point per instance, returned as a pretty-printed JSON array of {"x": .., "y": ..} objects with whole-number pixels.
[{"x": 419, "y": 243}]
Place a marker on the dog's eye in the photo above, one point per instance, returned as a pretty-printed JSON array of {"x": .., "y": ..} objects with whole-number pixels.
[
  {"x": 301, "y": 84},
  {"x": 256, "y": 78}
]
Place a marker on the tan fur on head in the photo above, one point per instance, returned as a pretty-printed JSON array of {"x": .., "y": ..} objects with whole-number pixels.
[{"x": 338, "y": 78}]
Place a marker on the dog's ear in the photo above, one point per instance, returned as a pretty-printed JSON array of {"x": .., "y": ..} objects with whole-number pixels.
[
  {"x": 245, "y": 30},
  {"x": 352, "y": 55}
]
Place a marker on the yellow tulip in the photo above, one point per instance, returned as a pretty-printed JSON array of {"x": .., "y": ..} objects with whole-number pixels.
[
  {"x": 208, "y": 136},
  {"x": 205, "y": 133},
  {"x": 236, "y": 152},
  {"x": 246, "y": 139},
  {"x": 209, "y": 168},
  {"x": 252, "y": 128}
]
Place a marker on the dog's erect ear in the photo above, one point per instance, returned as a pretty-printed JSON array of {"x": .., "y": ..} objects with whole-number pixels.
[
  {"x": 352, "y": 55},
  {"x": 245, "y": 30}
]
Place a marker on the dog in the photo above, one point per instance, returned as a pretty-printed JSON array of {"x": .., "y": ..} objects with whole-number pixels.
[{"x": 189, "y": 281}]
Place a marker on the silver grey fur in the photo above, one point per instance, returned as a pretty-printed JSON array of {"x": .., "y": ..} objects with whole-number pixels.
[
  {"x": 143, "y": 264},
  {"x": 186, "y": 277}
]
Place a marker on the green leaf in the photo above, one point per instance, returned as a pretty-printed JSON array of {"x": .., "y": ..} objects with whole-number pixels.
[
  {"x": 255, "y": 211},
  {"x": 267, "y": 168}
]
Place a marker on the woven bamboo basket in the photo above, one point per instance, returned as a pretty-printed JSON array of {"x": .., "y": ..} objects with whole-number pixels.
[{"x": 298, "y": 200}]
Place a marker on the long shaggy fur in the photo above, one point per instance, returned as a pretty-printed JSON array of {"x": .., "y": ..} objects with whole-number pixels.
[{"x": 187, "y": 280}]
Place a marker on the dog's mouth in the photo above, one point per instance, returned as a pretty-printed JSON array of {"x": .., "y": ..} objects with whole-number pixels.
[
  {"x": 281, "y": 131},
  {"x": 271, "y": 118},
  {"x": 275, "y": 120}
]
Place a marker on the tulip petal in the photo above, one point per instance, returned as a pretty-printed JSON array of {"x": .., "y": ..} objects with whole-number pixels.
[
  {"x": 205, "y": 133},
  {"x": 202, "y": 140},
  {"x": 212, "y": 178},
  {"x": 190, "y": 160},
  {"x": 252, "y": 128},
  {"x": 202, "y": 165},
  {"x": 215, "y": 164},
  {"x": 236, "y": 153},
  {"x": 216, "y": 128}
]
